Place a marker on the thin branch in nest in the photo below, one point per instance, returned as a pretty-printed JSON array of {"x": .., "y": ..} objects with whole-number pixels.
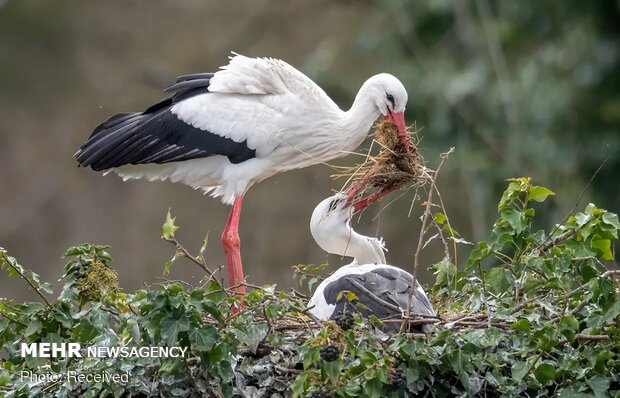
[{"x": 425, "y": 216}]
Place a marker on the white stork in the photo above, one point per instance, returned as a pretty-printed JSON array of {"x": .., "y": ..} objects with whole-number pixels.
[
  {"x": 383, "y": 289},
  {"x": 223, "y": 132}
]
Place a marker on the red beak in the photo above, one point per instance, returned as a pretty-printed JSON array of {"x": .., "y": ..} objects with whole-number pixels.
[{"x": 399, "y": 120}]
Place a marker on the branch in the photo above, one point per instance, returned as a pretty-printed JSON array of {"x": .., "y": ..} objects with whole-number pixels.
[
  {"x": 21, "y": 273},
  {"x": 585, "y": 189},
  {"x": 558, "y": 239},
  {"x": 427, "y": 212},
  {"x": 187, "y": 254},
  {"x": 587, "y": 337}
]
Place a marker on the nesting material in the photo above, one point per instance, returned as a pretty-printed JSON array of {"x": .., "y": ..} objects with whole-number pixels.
[{"x": 392, "y": 168}]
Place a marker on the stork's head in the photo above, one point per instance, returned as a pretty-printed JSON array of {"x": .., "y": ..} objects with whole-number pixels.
[
  {"x": 330, "y": 224},
  {"x": 390, "y": 96},
  {"x": 331, "y": 229}
]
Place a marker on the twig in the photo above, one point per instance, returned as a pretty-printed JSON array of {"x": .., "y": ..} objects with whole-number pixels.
[
  {"x": 446, "y": 249},
  {"x": 416, "y": 259},
  {"x": 484, "y": 294},
  {"x": 187, "y": 254},
  {"x": 583, "y": 192},
  {"x": 445, "y": 213},
  {"x": 558, "y": 239},
  {"x": 588, "y": 337},
  {"x": 24, "y": 277}
]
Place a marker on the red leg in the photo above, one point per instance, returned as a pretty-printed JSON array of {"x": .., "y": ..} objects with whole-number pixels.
[{"x": 232, "y": 244}]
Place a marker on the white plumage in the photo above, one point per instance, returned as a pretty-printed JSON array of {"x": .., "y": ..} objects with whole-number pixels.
[
  {"x": 226, "y": 131},
  {"x": 382, "y": 288}
]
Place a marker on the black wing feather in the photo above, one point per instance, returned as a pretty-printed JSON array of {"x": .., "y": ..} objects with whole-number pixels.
[
  {"x": 383, "y": 292},
  {"x": 157, "y": 135}
]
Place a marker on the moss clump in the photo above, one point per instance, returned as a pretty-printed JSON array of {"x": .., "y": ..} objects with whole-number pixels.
[{"x": 98, "y": 281}]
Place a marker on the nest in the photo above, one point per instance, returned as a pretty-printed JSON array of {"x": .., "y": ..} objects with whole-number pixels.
[{"x": 392, "y": 168}]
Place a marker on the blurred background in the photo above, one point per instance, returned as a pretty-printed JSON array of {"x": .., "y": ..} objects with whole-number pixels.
[{"x": 518, "y": 88}]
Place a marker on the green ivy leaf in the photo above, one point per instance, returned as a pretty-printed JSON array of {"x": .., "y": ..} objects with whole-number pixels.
[
  {"x": 514, "y": 218},
  {"x": 167, "y": 266},
  {"x": 332, "y": 370},
  {"x": 202, "y": 339},
  {"x": 440, "y": 218},
  {"x": 170, "y": 328},
  {"x": 299, "y": 385},
  {"x": 538, "y": 193},
  {"x": 544, "y": 373},
  {"x": 373, "y": 388},
  {"x": 519, "y": 370},
  {"x": 602, "y": 247},
  {"x": 498, "y": 279},
  {"x": 169, "y": 228},
  {"x": 599, "y": 386},
  {"x": 570, "y": 322},
  {"x": 522, "y": 325}
]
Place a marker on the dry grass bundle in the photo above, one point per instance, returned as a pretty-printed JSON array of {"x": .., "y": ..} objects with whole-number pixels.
[{"x": 392, "y": 168}]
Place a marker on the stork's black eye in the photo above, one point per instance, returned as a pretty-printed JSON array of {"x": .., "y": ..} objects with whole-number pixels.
[
  {"x": 334, "y": 203},
  {"x": 390, "y": 98}
]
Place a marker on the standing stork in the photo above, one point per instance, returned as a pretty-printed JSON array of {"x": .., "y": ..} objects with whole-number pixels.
[
  {"x": 223, "y": 132},
  {"x": 383, "y": 289}
]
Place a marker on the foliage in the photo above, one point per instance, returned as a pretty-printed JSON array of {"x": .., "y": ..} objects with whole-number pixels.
[
  {"x": 532, "y": 313},
  {"x": 505, "y": 82}
]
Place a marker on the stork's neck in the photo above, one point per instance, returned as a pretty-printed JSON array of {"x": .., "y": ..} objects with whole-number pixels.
[
  {"x": 362, "y": 115},
  {"x": 344, "y": 241},
  {"x": 366, "y": 250}
]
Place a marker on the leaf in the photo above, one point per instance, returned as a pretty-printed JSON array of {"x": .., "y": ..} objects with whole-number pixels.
[
  {"x": 440, "y": 218},
  {"x": 582, "y": 219},
  {"x": 509, "y": 194},
  {"x": 539, "y": 194},
  {"x": 202, "y": 339},
  {"x": 373, "y": 388},
  {"x": 570, "y": 322},
  {"x": 225, "y": 370},
  {"x": 34, "y": 326},
  {"x": 332, "y": 370},
  {"x": 498, "y": 279},
  {"x": 167, "y": 266},
  {"x": 602, "y": 247},
  {"x": 205, "y": 242},
  {"x": 46, "y": 287},
  {"x": 544, "y": 373},
  {"x": 519, "y": 370},
  {"x": 169, "y": 228},
  {"x": 599, "y": 386},
  {"x": 522, "y": 325},
  {"x": 477, "y": 255},
  {"x": 514, "y": 218},
  {"x": 171, "y": 327},
  {"x": 213, "y": 310},
  {"x": 611, "y": 219},
  {"x": 367, "y": 357},
  {"x": 299, "y": 385}
]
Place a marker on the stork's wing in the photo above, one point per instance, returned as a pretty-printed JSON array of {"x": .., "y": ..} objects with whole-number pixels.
[
  {"x": 383, "y": 291},
  {"x": 248, "y": 109},
  {"x": 245, "y": 75},
  {"x": 157, "y": 135}
]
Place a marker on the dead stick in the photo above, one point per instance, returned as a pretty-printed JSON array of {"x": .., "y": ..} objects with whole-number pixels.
[{"x": 427, "y": 211}]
